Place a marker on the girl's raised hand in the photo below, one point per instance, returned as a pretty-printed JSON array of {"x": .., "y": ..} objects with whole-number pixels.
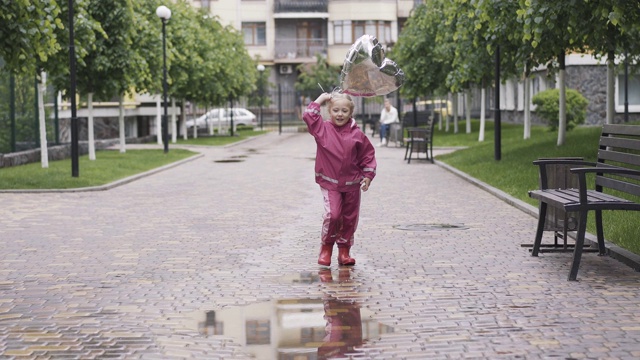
[{"x": 322, "y": 98}]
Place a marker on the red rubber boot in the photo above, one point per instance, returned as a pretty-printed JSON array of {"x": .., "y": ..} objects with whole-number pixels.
[
  {"x": 325, "y": 255},
  {"x": 344, "y": 258}
]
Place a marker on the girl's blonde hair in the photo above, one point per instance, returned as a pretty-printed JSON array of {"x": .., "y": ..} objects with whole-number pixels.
[{"x": 341, "y": 96}]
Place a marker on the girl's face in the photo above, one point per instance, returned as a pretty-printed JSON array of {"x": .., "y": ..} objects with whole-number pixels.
[{"x": 340, "y": 111}]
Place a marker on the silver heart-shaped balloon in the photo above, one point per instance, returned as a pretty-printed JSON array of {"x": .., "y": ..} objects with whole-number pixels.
[{"x": 366, "y": 71}]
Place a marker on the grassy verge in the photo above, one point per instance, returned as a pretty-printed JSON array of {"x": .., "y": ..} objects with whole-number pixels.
[
  {"x": 515, "y": 174},
  {"x": 109, "y": 166}
]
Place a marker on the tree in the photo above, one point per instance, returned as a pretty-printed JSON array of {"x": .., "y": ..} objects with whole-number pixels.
[
  {"x": 86, "y": 30},
  {"x": 28, "y": 33},
  {"x": 613, "y": 29},
  {"x": 104, "y": 72},
  {"x": 498, "y": 27},
  {"x": 554, "y": 28},
  {"x": 472, "y": 61},
  {"x": 145, "y": 62},
  {"x": 319, "y": 74},
  {"x": 416, "y": 51}
]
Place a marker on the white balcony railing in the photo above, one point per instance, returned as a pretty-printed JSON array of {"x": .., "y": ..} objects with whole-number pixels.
[{"x": 299, "y": 48}]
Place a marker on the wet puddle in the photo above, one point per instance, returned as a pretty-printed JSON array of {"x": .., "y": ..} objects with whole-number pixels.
[
  {"x": 428, "y": 227},
  {"x": 304, "y": 277},
  {"x": 228, "y": 161},
  {"x": 294, "y": 329}
]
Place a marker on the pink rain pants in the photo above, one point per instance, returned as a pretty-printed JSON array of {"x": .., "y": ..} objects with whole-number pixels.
[{"x": 340, "y": 219}]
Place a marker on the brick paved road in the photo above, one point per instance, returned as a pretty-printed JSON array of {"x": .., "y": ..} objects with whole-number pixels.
[{"x": 130, "y": 272}]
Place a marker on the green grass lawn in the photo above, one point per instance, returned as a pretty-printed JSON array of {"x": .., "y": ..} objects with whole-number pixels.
[
  {"x": 109, "y": 166},
  {"x": 515, "y": 174}
]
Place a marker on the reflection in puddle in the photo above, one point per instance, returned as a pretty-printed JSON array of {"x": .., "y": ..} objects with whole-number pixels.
[
  {"x": 304, "y": 277},
  {"x": 295, "y": 329}
]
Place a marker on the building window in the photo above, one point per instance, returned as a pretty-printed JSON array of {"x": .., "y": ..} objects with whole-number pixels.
[
  {"x": 342, "y": 32},
  {"x": 258, "y": 332},
  {"x": 210, "y": 326},
  {"x": 254, "y": 33},
  {"x": 634, "y": 93},
  {"x": 347, "y": 31}
]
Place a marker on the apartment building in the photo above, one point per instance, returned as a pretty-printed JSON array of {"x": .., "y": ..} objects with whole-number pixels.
[{"x": 286, "y": 33}]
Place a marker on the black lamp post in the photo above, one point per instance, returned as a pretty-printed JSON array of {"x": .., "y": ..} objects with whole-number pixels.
[
  {"x": 164, "y": 14},
  {"x": 75, "y": 172},
  {"x": 260, "y": 68}
]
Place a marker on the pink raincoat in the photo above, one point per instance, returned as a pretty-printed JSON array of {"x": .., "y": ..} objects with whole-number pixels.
[{"x": 344, "y": 154}]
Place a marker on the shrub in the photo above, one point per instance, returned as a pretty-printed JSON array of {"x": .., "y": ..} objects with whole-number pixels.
[
  {"x": 244, "y": 128},
  {"x": 548, "y": 107}
]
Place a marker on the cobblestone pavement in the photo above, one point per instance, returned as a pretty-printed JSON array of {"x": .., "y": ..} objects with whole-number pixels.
[{"x": 133, "y": 272}]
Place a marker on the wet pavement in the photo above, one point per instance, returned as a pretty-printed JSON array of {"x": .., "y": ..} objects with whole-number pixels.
[{"x": 216, "y": 259}]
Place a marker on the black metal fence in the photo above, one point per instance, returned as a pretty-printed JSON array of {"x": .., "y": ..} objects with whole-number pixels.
[
  {"x": 286, "y": 107},
  {"x": 19, "y": 127}
]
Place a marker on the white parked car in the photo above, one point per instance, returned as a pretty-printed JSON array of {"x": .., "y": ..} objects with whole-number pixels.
[{"x": 241, "y": 117}]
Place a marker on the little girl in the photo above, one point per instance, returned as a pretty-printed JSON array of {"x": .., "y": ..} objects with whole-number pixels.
[{"x": 345, "y": 163}]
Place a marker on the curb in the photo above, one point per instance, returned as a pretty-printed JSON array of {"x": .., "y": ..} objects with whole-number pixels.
[{"x": 625, "y": 256}]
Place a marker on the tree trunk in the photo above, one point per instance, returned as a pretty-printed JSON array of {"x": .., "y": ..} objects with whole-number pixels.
[
  {"x": 433, "y": 105},
  {"x": 44, "y": 151},
  {"x": 527, "y": 106},
  {"x": 159, "y": 121},
  {"x": 562, "y": 116},
  {"x": 456, "y": 97},
  {"x": 467, "y": 99},
  {"x": 210, "y": 123},
  {"x": 611, "y": 83},
  {"x": 121, "y": 123},
  {"x": 91, "y": 141},
  {"x": 183, "y": 119},
  {"x": 174, "y": 125},
  {"x": 445, "y": 103},
  {"x": 482, "y": 112}
]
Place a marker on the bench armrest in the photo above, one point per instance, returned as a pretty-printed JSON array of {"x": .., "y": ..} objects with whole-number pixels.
[
  {"x": 583, "y": 171},
  {"x": 544, "y": 162},
  {"x": 605, "y": 170}
]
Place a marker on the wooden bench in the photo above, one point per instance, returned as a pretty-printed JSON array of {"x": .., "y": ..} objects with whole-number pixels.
[{"x": 617, "y": 169}]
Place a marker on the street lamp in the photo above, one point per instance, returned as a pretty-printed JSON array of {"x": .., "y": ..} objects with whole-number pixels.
[
  {"x": 75, "y": 167},
  {"x": 164, "y": 14},
  {"x": 260, "y": 68}
]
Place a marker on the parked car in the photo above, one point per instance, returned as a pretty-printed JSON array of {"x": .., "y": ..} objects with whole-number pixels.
[
  {"x": 241, "y": 117},
  {"x": 444, "y": 107}
]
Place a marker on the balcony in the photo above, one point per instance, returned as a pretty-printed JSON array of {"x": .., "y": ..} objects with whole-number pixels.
[
  {"x": 297, "y": 6},
  {"x": 299, "y": 50}
]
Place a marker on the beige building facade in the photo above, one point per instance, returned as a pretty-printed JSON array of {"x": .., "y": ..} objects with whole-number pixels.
[{"x": 284, "y": 34}]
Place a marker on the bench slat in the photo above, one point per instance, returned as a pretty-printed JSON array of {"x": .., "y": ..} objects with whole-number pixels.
[
  {"x": 620, "y": 185},
  {"x": 556, "y": 197},
  {"x": 617, "y": 142},
  {"x": 625, "y": 158},
  {"x": 569, "y": 199},
  {"x": 618, "y": 129}
]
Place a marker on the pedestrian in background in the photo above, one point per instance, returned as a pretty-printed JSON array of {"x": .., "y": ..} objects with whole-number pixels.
[
  {"x": 388, "y": 116},
  {"x": 345, "y": 164}
]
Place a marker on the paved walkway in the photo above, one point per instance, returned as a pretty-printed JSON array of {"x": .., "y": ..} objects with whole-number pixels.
[{"x": 141, "y": 270}]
